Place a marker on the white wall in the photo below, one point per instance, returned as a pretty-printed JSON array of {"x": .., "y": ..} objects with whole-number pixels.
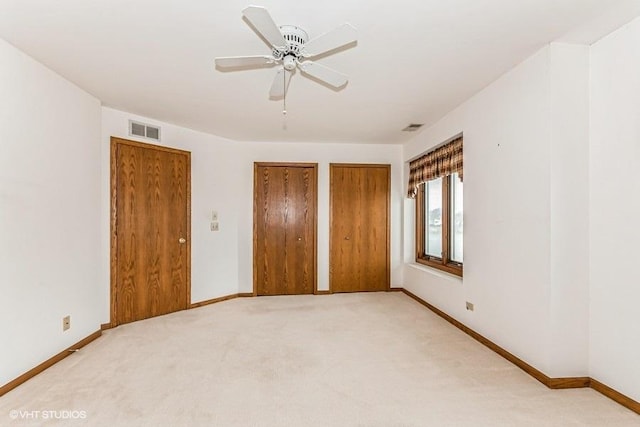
[
  {"x": 569, "y": 204},
  {"x": 615, "y": 209},
  {"x": 222, "y": 180},
  {"x": 49, "y": 208},
  {"x": 511, "y": 268}
]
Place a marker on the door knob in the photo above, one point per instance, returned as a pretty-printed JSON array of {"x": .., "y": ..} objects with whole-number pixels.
[
  {"x": 299, "y": 238},
  {"x": 182, "y": 240},
  {"x": 347, "y": 238}
]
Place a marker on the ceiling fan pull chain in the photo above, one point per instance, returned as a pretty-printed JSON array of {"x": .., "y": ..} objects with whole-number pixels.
[{"x": 284, "y": 98}]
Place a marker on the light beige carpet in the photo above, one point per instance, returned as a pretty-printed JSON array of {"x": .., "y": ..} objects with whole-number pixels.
[{"x": 376, "y": 359}]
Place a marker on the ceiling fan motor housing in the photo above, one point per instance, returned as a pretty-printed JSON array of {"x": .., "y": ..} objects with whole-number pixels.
[{"x": 296, "y": 37}]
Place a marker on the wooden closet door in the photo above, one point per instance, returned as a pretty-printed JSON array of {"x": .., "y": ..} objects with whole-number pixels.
[
  {"x": 284, "y": 229},
  {"x": 150, "y": 230},
  {"x": 359, "y": 229}
]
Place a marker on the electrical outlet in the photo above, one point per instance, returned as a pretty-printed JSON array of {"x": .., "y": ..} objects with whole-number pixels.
[
  {"x": 469, "y": 306},
  {"x": 66, "y": 323},
  {"x": 215, "y": 226}
]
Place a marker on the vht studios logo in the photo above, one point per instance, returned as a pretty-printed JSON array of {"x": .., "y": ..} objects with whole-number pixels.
[{"x": 48, "y": 415}]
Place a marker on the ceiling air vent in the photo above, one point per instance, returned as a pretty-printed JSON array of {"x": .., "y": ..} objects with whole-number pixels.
[
  {"x": 144, "y": 130},
  {"x": 412, "y": 127}
]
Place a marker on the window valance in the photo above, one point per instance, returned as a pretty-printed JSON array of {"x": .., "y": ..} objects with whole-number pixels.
[{"x": 442, "y": 161}]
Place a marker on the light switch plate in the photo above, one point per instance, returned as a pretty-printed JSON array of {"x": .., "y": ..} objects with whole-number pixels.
[{"x": 214, "y": 215}]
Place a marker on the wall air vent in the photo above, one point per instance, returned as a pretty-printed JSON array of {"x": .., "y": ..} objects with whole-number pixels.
[
  {"x": 412, "y": 127},
  {"x": 144, "y": 130}
]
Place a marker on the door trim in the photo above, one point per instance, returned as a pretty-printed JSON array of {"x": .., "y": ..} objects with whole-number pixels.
[
  {"x": 387, "y": 166},
  {"x": 313, "y": 166},
  {"x": 115, "y": 141}
]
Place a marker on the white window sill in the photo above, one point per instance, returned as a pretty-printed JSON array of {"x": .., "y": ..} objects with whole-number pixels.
[{"x": 435, "y": 272}]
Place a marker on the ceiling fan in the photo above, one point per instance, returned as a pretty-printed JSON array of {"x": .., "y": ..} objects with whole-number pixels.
[{"x": 291, "y": 48}]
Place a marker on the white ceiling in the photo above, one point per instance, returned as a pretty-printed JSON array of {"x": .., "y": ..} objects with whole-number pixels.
[{"x": 415, "y": 60}]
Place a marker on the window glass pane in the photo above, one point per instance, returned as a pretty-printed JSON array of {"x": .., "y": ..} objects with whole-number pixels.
[
  {"x": 456, "y": 218},
  {"x": 433, "y": 220}
]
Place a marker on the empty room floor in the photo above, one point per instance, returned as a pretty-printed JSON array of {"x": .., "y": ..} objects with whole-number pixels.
[{"x": 368, "y": 359}]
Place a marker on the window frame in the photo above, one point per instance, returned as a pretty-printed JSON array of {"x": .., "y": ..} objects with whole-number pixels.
[{"x": 445, "y": 263}]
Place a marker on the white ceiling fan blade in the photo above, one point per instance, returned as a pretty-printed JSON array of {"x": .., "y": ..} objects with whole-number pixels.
[
  {"x": 245, "y": 61},
  {"x": 280, "y": 83},
  {"x": 326, "y": 74},
  {"x": 261, "y": 20},
  {"x": 339, "y": 36}
]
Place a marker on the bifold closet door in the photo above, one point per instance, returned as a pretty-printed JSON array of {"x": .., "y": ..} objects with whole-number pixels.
[
  {"x": 284, "y": 243},
  {"x": 359, "y": 228}
]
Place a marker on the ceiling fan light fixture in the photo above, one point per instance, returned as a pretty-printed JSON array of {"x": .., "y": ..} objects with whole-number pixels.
[{"x": 289, "y": 62}]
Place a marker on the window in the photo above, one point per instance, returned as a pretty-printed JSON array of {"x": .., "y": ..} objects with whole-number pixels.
[
  {"x": 439, "y": 224},
  {"x": 435, "y": 180}
]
